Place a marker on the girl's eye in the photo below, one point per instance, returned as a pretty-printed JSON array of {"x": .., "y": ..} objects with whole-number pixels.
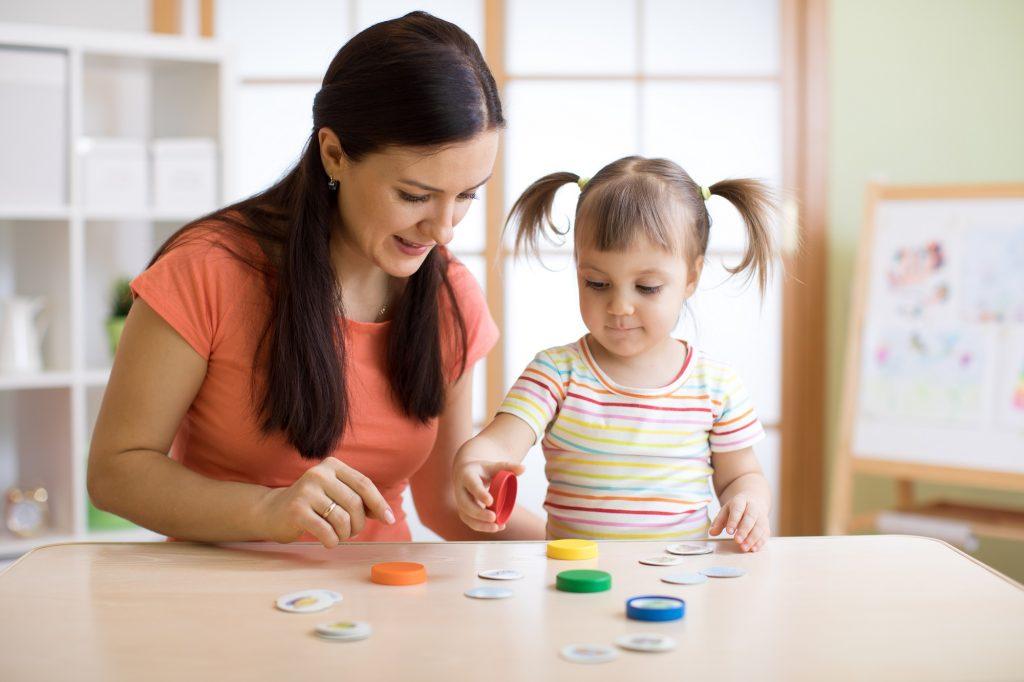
[
  {"x": 468, "y": 197},
  {"x": 599, "y": 286},
  {"x": 648, "y": 291},
  {"x": 415, "y": 198}
]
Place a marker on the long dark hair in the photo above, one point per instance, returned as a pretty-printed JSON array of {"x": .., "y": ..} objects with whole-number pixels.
[{"x": 416, "y": 81}]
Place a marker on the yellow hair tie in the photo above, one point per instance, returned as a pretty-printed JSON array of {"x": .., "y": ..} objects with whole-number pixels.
[
  {"x": 705, "y": 192},
  {"x": 582, "y": 182}
]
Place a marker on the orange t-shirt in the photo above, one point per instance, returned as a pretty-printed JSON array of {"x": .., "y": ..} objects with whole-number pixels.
[{"x": 219, "y": 305}]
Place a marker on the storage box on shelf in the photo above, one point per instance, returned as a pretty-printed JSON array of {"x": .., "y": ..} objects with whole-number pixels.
[
  {"x": 33, "y": 125},
  {"x": 111, "y": 142}
]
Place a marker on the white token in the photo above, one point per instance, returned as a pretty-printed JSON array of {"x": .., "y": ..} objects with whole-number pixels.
[
  {"x": 501, "y": 574},
  {"x": 662, "y": 560},
  {"x": 344, "y": 630},
  {"x": 589, "y": 653},
  {"x": 685, "y": 579},
  {"x": 307, "y": 601},
  {"x": 489, "y": 593},
  {"x": 335, "y": 596},
  {"x": 723, "y": 572},
  {"x": 691, "y": 548},
  {"x": 648, "y": 641}
]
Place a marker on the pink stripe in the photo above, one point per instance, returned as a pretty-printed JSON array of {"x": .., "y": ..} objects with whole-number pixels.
[
  {"x": 536, "y": 394},
  {"x": 619, "y": 524},
  {"x": 751, "y": 439},
  {"x": 570, "y": 408}
]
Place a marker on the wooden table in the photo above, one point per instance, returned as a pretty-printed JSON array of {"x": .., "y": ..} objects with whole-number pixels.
[{"x": 863, "y": 608}]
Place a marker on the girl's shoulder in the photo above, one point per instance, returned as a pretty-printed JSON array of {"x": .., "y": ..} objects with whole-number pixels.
[
  {"x": 567, "y": 358},
  {"x": 712, "y": 371}
]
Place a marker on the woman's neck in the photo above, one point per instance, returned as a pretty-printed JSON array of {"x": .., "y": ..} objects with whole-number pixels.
[
  {"x": 365, "y": 287},
  {"x": 652, "y": 368}
]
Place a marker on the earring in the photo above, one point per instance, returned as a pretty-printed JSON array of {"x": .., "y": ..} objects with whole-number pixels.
[{"x": 332, "y": 184}]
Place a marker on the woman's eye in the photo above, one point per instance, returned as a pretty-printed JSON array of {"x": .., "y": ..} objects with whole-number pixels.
[
  {"x": 415, "y": 198},
  {"x": 648, "y": 291},
  {"x": 599, "y": 286},
  {"x": 468, "y": 197}
]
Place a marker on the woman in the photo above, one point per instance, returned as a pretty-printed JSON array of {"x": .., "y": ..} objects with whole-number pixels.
[{"x": 309, "y": 350}]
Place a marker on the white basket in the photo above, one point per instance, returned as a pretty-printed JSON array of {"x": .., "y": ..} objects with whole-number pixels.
[
  {"x": 115, "y": 173},
  {"x": 184, "y": 174}
]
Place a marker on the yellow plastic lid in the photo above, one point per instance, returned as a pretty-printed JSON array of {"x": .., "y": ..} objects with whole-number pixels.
[{"x": 572, "y": 550}]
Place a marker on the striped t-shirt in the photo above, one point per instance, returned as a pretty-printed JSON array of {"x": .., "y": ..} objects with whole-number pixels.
[{"x": 630, "y": 463}]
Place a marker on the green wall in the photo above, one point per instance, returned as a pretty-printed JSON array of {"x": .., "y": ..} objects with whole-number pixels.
[{"x": 922, "y": 91}]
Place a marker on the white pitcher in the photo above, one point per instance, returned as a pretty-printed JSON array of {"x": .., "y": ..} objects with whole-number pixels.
[{"x": 21, "y": 334}]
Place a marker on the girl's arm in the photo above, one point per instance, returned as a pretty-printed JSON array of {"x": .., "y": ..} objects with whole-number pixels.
[
  {"x": 432, "y": 485},
  {"x": 745, "y": 496},
  {"x": 156, "y": 376}
]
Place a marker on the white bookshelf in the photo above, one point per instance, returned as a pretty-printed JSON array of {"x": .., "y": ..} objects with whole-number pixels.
[{"x": 116, "y": 85}]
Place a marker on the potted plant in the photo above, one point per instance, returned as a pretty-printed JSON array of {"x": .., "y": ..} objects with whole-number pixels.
[{"x": 120, "y": 304}]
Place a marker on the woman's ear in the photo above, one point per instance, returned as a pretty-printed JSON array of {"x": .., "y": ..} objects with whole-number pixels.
[
  {"x": 693, "y": 276},
  {"x": 331, "y": 155}
]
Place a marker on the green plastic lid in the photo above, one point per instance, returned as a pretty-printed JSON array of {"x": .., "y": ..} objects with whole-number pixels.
[{"x": 583, "y": 580}]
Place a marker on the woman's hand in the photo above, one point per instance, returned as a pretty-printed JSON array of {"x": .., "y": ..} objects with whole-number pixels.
[
  {"x": 330, "y": 501},
  {"x": 747, "y": 519},
  {"x": 471, "y": 480}
]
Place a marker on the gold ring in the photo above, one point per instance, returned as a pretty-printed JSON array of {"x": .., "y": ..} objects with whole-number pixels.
[{"x": 329, "y": 509}]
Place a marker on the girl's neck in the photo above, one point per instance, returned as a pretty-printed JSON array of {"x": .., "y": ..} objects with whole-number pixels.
[{"x": 653, "y": 368}]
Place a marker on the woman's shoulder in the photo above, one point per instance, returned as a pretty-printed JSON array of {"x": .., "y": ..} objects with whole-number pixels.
[
  {"x": 215, "y": 247},
  {"x": 459, "y": 275},
  {"x": 220, "y": 233}
]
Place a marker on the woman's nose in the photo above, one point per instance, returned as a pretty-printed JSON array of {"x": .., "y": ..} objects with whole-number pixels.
[{"x": 441, "y": 226}]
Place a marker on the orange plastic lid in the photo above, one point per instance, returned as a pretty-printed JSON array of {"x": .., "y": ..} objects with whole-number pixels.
[{"x": 398, "y": 573}]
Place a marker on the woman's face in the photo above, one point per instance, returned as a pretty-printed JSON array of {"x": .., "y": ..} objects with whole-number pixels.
[{"x": 397, "y": 204}]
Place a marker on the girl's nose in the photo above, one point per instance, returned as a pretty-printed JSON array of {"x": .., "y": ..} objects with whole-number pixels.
[{"x": 620, "y": 306}]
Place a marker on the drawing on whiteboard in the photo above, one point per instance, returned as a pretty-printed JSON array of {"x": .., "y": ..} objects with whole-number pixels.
[
  {"x": 993, "y": 279},
  {"x": 917, "y": 279},
  {"x": 1011, "y": 392},
  {"x": 926, "y": 373}
]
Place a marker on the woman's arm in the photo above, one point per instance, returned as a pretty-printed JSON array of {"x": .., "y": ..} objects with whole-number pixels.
[
  {"x": 155, "y": 378},
  {"x": 745, "y": 496},
  {"x": 432, "y": 485}
]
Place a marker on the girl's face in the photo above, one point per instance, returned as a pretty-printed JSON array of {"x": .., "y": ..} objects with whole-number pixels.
[
  {"x": 631, "y": 300},
  {"x": 397, "y": 204}
]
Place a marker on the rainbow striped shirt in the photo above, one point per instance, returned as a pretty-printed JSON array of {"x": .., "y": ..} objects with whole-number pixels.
[{"x": 630, "y": 463}]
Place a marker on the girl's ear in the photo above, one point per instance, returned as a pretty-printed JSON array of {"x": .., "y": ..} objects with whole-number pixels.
[
  {"x": 693, "y": 276},
  {"x": 331, "y": 154}
]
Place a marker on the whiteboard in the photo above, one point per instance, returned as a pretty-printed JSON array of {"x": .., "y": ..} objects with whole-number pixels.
[{"x": 940, "y": 357}]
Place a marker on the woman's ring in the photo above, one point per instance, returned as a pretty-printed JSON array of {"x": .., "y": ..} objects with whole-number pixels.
[{"x": 329, "y": 509}]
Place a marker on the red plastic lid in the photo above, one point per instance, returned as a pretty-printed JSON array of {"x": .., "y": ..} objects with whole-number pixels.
[{"x": 503, "y": 490}]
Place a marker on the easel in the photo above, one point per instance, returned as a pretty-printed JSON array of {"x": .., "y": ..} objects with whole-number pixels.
[{"x": 985, "y": 521}]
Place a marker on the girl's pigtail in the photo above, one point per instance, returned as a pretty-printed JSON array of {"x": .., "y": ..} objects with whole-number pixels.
[
  {"x": 757, "y": 206},
  {"x": 532, "y": 213}
]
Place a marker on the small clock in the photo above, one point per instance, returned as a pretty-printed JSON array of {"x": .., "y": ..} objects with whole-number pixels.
[{"x": 27, "y": 511}]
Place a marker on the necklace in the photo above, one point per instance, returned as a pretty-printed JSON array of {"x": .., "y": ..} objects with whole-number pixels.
[{"x": 380, "y": 313}]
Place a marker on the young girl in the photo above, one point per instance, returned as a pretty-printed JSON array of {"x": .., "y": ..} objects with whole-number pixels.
[{"x": 633, "y": 422}]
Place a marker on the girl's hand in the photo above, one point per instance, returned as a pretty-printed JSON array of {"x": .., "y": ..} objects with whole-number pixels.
[
  {"x": 746, "y": 519},
  {"x": 286, "y": 513},
  {"x": 471, "y": 480}
]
